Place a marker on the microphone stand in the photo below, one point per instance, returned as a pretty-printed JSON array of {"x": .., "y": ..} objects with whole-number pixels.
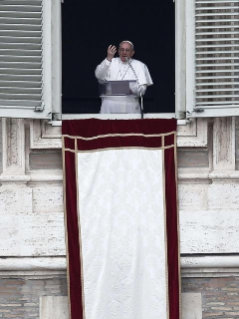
[
  {"x": 141, "y": 106},
  {"x": 141, "y": 96}
]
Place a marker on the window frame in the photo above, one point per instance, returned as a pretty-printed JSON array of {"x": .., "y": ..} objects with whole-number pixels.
[
  {"x": 180, "y": 76},
  {"x": 190, "y": 94},
  {"x": 51, "y": 67},
  {"x": 184, "y": 68}
]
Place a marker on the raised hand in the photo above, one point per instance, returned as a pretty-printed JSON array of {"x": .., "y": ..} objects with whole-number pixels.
[{"x": 111, "y": 52}]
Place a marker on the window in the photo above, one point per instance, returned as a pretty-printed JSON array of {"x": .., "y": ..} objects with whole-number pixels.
[
  {"x": 212, "y": 72},
  {"x": 150, "y": 25},
  {"x": 207, "y": 63},
  {"x": 27, "y": 64}
]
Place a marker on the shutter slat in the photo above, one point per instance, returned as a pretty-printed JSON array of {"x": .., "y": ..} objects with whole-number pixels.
[
  {"x": 20, "y": 21},
  {"x": 12, "y": 71},
  {"x": 215, "y": 90},
  {"x": 20, "y": 33},
  {"x": 222, "y": 103},
  {"x": 213, "y": 65},
  {"x": 20, "y": 8},
  {"x": 15, "y": 103},
  {"x": 19, "y": 27},
  {"x": 214, "y": 33},
  {"x": 221, "y": 77},
  {"x": 218, "y": 39},
  {"x": 19, "y": 14},
  {"x": 230, "y": 58},
  {"x": 20, "y": 46},
  {"x": 217, "y": 20},
  {"x": 206, "y": 27},
  {"x": 218, "y": 71},
  {"x": 25, "y": 96},
  {"x": 20, "y": 84},
  {"x": 22, "y": 77},
  {"x": 20, "y": 65},
  {"x": 201, "y": 8},
  {"x": 20, "y": 53},
  {"x": 219, "y": 96},
  {"x": 213, "y": 52},
  {"x": 217, "y": 83},
  {"x": 21, "y": 40},
  {"x": 218, "y": 1},
  {"x": 21, "y": 91},
  {"x": 22, "y": 2},
  {"x": 8, "y": 58},
  {"x": 217, "y": 14},
  {"x": 217, "y": 46}
]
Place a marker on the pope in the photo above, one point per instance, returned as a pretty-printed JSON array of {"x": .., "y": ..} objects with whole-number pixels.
[{"x": 119, "y": 69}]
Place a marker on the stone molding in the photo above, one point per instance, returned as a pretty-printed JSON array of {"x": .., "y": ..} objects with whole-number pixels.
[
  {"x": 46, "y": 136},
  {"x": 224, "y": 144},
  {"x": 193, "y": 134},
  {"x": 211, "y": 263},
  {"x": 13, "y": 144}
]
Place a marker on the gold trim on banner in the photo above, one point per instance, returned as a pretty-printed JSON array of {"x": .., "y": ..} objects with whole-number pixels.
[
  {"x": 165, "y": 231},
  {"x": 118, "y": 135},
  {"x": 65, "y": 222},
  {"x": 79, "y": 229},
  {"x": 178, "y": 230},
  {"x": 118, "y": 148}
]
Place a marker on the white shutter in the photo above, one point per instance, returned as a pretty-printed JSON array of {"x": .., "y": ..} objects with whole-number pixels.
[
  {"x": 21, "y": 59},
  {"x": 215, "y": 74}
]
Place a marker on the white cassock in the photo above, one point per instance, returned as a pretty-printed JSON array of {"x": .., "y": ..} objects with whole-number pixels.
[{"x": 118, "y": 70}]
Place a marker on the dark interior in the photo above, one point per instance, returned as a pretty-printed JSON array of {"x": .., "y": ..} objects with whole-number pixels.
[{"x": 89, "y": 27}]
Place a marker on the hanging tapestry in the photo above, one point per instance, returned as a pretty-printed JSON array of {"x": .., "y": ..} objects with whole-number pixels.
[{"x": 120, "y": 185}]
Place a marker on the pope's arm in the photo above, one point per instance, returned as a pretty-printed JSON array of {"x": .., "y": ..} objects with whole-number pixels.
[{"x": 102, "y": 70}]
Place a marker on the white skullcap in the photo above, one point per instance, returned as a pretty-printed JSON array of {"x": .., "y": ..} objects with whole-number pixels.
[{"x": 126, "y": 41}]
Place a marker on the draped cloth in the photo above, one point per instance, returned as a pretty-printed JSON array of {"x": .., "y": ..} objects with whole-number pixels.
[{"x": 121, "y": 218}]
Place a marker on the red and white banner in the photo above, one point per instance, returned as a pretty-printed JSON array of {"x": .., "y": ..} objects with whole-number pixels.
[{"x": 121, "y": 218}]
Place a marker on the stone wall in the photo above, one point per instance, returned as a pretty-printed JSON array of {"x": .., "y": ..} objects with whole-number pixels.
[
  {"x": 220, "y": 296},
  {"x": 20, "y": 295},
  {"x": 32, "y": 224},
  {"x": 0, "y": 146}
]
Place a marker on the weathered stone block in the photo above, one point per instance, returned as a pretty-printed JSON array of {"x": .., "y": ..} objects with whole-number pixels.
[
  {"x": 48, "y": 198},
  {"x": 32, "y": 234},
  {"x": 209, "y": 231}
]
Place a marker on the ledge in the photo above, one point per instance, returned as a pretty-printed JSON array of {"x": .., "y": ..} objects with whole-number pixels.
[
  {"x": 45, "y": 176},
  {"x": 183, "y": 175},
  {"x": 210, "y": 262},
  {"x": 217, "y": 175},
  {"x": 59, "y": 263},
  {"x": 32, "y": 264}
]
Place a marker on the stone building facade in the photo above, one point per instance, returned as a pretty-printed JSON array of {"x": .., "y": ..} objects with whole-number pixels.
[
  {"x": 32, "y": 250},
  {"x": 33, "y": 280}
]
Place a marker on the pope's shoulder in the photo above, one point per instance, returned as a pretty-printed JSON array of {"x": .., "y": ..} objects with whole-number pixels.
[{"x": 137, "y": 62}]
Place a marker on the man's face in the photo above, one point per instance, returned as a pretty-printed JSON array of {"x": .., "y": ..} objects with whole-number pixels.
[{"x": 125, "y": 51}]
